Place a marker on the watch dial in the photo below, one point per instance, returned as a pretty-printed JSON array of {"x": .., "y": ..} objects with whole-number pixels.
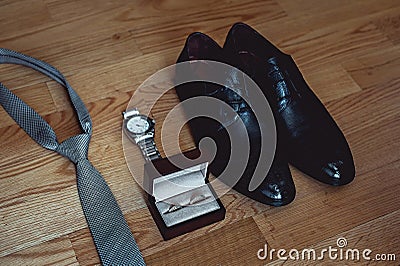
[{"x": 137, "y": 125}]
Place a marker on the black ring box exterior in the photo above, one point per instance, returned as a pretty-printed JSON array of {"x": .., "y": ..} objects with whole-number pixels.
[{"x": 164, "y": 167}]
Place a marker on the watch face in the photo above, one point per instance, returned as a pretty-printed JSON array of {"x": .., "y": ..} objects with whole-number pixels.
[{"x": 138, "y": 124}]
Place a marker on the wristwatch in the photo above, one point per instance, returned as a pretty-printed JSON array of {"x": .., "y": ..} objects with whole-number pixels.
[{"x": 140, "y": 130}]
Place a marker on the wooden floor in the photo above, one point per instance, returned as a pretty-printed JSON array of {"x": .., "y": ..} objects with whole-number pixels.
[{"x": 348, "y": 51}]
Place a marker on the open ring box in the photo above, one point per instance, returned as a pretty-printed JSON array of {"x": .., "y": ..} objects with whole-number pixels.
[{"x": 181, "y": 199}]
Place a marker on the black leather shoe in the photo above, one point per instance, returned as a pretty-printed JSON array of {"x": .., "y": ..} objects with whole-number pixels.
[
  {"x": 315, "y": 144},
  {"x": 278, "y": 188}
]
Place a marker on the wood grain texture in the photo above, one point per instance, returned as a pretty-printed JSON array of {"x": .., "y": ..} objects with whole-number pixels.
[
  {"x": 221, "y": 247},
  {"x": 54, "y": 252},
  {"x": 361, "y": 237},
  {"x": 348, "y": 51}
]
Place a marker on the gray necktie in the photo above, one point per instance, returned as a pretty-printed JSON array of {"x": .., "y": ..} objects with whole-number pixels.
[{"x": 113, "y": 239}]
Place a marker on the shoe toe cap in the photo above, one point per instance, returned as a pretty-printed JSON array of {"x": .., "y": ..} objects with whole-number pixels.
[
  {"x": 338, "y": 172},
  {"x": 278, "y": 188}
]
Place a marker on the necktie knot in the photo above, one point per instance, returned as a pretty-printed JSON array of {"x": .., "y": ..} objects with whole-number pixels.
[
  {"x": 75, "y": 148},
  {"x": 111, "y": 234}
]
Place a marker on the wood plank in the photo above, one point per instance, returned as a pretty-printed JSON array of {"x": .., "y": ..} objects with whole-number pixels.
[
  {"x": 389, "y": 25},
  {"x": 152, "y": 37},
  {"x": 374, "y": 70},
  {"x": 148, "y": 237},
  {"x": 65, "y": 124},
  {"x": 36, "y": 96},
  {"x": 124, "y": 76},
  {"x": 61, "y": 30},
  {"x": 358, "y": 239},
  {"x": 16, "y": 77},
  {"x": 77, "y": 55},
  {"x": 330, "y": 13},
  {"x": 54, "y": 252},
  {"x": 331, "y": 82},
  {"x": 27, "y": 180},
  {"x": 348, "y": 52},
  {"x": 367, "y": 108},
  {"x": 112, "y": 134},
  {"x": 313, "y": 40},
  {"x": 146, "y": 230},
  {"x": 107, "y": 151},
  {"x": 238, "y": 208},
  {"x": 35, "y": 219},
  {"x": 83, "y": 246},
  {"x": 89, "y": 45},
  {"x": 220, "y": 246},
  {"x": 360, "y": 151},
  {"x": 72, "y": 10},
  {"x": 162, "y": 108},
  {"x": 325, "y": 213},
  {"x": 38, "y": 16}
]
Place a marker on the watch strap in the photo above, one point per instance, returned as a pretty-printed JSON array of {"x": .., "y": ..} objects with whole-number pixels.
[
  {"x": 130, "y": 112},
  {"x": 149, "y": 149}
]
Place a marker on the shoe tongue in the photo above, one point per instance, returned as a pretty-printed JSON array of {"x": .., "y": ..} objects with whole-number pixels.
[
  {"x": 201, "y": 47},
  {"x": 249, "y": 63}
]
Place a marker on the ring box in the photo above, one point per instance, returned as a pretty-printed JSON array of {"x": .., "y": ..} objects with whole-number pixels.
[{"x": 181, "y": 199}]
